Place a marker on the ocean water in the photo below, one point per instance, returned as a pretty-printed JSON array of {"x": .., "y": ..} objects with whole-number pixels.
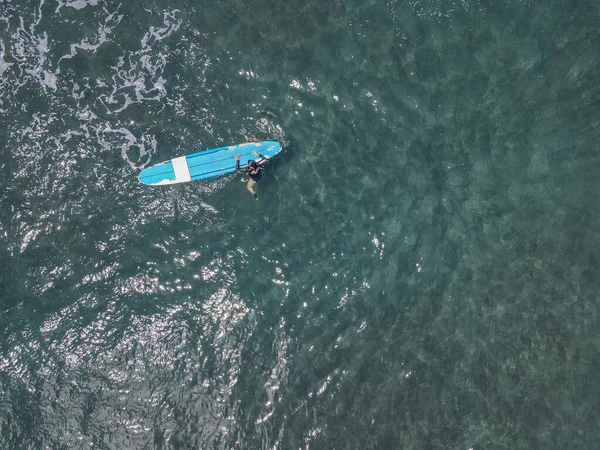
[{"x": 420, "y": 272}]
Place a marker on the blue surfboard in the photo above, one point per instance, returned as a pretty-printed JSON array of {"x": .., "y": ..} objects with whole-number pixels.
[{"x": 206, "y": 163}]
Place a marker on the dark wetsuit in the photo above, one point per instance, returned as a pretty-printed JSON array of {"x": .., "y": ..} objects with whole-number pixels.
[{"x": 255, "y": 173}]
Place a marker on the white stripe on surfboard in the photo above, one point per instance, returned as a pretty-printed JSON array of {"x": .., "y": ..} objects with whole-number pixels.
[{"x": 181, "y": 169}]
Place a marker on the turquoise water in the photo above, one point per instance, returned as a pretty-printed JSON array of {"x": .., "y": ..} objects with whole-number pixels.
[{"x": 420, "y": 269}]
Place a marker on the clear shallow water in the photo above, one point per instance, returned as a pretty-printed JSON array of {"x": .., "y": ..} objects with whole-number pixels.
[{"x": 420, "y": 271}]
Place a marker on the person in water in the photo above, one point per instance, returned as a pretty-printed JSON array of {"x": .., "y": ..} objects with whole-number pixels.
[{"x": 254, "y": 171}]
